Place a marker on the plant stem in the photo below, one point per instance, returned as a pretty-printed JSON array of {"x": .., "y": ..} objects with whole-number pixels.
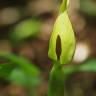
[
  {"x": 56, "y": 83},
  {"x": 63, "y": 6}
]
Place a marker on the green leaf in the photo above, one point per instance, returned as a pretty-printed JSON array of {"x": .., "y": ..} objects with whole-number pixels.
[
  {"x": 89, "y": 66},
  {"x": 63, "y": 29},
  {"x": 18, "y": 76},
  {"x": 25, "y": 29},
  {"x": 22, "y": 63},
  {"x": 88, "y": 7},
  {"x": 6, "y": 69}
]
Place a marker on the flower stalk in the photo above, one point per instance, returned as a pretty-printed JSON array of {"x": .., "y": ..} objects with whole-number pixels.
[{"x": 56, "y": 87}]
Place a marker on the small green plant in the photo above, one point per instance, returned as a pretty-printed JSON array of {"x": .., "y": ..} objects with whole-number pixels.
[
  {"x": 63, "y": 36},
  {"x": 24, "y": 30}
]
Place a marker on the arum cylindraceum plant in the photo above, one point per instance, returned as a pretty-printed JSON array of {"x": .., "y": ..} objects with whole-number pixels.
[{"x": 63, "y": 36}]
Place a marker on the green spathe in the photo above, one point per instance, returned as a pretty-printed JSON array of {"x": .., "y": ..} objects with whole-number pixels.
[{"x": 63, "y": 29}]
